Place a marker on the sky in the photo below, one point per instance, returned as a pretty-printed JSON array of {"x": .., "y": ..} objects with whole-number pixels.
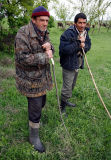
[{"x": 107, "y": 16}]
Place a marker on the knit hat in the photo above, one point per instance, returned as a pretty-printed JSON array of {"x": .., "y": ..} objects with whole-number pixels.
[{"x": 40, "y": 11}]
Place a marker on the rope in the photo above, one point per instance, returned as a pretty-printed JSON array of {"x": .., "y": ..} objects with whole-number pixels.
[
  {"x": 95, "y": 85},
  {"x": 58, "y": 101}
]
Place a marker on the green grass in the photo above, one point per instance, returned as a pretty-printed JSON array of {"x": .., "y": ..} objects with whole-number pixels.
[{"x": 88, "y": 124}]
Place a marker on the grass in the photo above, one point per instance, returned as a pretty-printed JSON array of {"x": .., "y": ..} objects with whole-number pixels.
[{"x": 88, "y": 124}]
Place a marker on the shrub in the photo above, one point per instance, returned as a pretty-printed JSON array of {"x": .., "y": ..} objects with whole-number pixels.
[{"x": 51, "y": 22}]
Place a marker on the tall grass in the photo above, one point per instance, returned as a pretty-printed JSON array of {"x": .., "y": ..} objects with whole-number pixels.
[{"x": 88, "y": 124}]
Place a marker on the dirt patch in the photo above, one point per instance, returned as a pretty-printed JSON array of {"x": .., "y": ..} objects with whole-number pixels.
[
  {"x": 6, "y": 61},
  {"x": 7, "y": 73},
  {"x": 11, "y": 109}
]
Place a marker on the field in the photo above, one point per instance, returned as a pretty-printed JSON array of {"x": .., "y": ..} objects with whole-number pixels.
[{"x": 88, "y": 124}]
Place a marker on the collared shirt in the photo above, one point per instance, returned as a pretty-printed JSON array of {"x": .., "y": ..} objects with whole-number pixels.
[{"x": 81, "y": 34}]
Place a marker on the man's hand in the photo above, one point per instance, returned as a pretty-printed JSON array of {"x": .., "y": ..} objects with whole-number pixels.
[
  {"x": 46, "y": 46},
  {"x": 49, "y": 52},
  {"x": 82, "y": 45},
  {"x": 82, "y": 39}
]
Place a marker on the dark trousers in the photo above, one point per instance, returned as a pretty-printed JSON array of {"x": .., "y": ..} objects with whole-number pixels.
[{"x": 35, "y": 106}]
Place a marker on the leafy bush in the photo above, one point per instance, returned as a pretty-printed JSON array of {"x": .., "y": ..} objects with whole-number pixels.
[{"x": 51, "y": 22}]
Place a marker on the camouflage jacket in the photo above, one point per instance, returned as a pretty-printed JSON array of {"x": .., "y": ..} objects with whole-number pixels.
[{"x": 33, "y": 76}]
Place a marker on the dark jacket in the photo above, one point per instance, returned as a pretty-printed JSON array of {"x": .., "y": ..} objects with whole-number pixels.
[
  {"x": 33, "y": 76},
  {"x": 69, "y": 47}
]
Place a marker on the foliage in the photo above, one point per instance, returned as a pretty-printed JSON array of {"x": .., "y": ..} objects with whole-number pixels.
[
  {"x": 88, "y": 124},
  {"x": 18, "y": 12},
  {"x": 4, "y": 24},
  {"x": 13, "y": 15},
  {"x": 51, "y": 22},
  {"x": 62, "y": 12},
  {"x": 94, "y": 9}
]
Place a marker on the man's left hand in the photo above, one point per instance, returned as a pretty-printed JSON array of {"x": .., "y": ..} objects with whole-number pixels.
[{"x": 46, "y": 46}]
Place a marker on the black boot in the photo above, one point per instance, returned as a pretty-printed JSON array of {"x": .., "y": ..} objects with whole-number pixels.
[
  {"x": 70, "y": 104},
  {"x": 35, "y": 140},
  {"x": 63, "y": 106}
]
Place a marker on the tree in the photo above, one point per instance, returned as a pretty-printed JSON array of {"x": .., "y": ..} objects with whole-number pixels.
[
  {"x": 94, "y": 9},
  {"x": 62, "y": 12},
  {"x": 18, "y": 12},
  {"x": 14, "y": 10}
]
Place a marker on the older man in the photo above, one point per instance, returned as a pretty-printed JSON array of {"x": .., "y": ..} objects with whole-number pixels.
[{"x": 33, "y": 51}]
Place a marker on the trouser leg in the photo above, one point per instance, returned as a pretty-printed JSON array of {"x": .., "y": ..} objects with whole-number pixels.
[
  {"x": 43, "y": 101},
  {"x": 69, "y": 81},
  {"x": 75, "y": 78},
  {"x": 35, "y": 106}
]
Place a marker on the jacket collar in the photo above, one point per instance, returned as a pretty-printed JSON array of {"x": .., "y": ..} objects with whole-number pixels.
[
  {"x": 31, "y": 30},
  {"x": 75, "y": 29}
]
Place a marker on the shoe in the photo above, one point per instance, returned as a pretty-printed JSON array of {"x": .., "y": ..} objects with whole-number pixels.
[
  {"x": 63, "y": 108},
  {"x": 70, "y": 104}
]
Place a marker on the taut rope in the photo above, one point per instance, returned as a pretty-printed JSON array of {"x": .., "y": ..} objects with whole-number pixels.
[{"x": 95, "y": 84}]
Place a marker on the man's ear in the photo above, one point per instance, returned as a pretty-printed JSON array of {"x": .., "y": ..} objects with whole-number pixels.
[{"x": 33, "y": 20}]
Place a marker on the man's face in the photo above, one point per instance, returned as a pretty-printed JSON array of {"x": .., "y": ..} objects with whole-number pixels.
[
  {"x": 81, "y": 24},
  {"x": 41, "y": 22}
]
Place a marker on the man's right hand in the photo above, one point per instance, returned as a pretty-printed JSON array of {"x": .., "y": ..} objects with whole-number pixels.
[{"x": 82, "y": 39}]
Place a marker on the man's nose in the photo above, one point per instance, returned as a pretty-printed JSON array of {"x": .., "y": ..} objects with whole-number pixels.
[{"x": 45, "y": 23}]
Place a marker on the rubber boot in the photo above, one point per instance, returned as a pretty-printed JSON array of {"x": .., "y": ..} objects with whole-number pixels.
[{"x": 34, "y": 138}]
